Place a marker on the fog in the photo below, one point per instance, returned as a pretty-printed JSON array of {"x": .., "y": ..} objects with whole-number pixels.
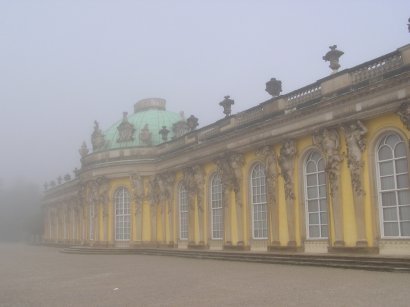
[{"x": 64, "y": 64}]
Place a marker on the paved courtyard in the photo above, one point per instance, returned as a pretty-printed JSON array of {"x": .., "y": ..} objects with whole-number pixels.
[{"x": 42, "y": 276}]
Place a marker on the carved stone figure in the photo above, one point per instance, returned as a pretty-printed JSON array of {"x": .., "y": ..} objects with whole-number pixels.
[
  {"x": 404, "y": 113},
  {"x": 97, "y": 138},
  {"x": 286, "y": 163},
  {"x": 103, "y": 194},
  {"x": 152, "y": 194},
  {"x": 138, "y": 191},
  {"x": 328, "y": 142},
  {"x": 164, "y": 133},
  {"x": 199, "y": 179},
  {"x": 236, "y": 162},
  {"x": 126, "y": 130},
  {"x": 269, "y": 157},
  {"x": 356, "y": 144},
  {"x": 189, "y": 184},
  {"x": 92, "y": 195},
  {"x": 145, "y": 135},
  {"x": 83, "y": 150}
]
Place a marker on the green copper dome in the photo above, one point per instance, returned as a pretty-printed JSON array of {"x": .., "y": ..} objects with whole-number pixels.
[{"x": 143, "y": 127}]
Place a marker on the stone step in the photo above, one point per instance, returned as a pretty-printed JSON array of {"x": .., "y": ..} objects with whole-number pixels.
[{"x": 337, "y": 261}]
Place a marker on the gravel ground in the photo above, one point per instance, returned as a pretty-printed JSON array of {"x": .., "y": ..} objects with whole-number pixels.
[{"x": 42, "y": 276}]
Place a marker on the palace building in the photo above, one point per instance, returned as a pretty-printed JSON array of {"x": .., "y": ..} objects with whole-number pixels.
[{"x": 323, "y": 169}]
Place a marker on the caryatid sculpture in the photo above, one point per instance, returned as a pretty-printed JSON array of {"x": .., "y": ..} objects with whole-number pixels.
[
  {"x": 356, "y": 143},
  {"x": 286, "y": 163},
  {"x": 199, "y": 179},
  {"x": 138, "y": 191}
]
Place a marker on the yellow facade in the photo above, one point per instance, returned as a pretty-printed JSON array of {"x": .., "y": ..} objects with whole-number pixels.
[{"x": 84, "y": 211}]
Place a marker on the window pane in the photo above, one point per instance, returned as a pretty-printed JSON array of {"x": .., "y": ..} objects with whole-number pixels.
[
  {"x": 314, "y": 231},
  {"x": 390, "y": 214},
  {"x": 322, "y": 178},
  {"x": 386, "y": 168},
  {"x": 313, "y": 218},
  {"x": 323, "y": 206},
  {"x": 401, "y": 166},
  {"x": 324, "y": 232},
  {"x": 405, "y": 228},
  {"x": 312, "y": 205},
  {"x": 388, "y": 199},
  {"x": 385, "y": 153},
  {"x": 391, "y": 229},
  {"x": 404, "y": 212},
  {"x": 392, "y": 140},
  {"x": 404, "y": 197},
  {"x": 311, "y": 180},
  {"x": 312, "y": 192},
  {"x": 387, "y": 183},
  {"x": 323, "y": 218},
  {"x": 400, "y": 150},
  {"x": 322, "y": 191},
  {"x": 321, "y": 165},
  {"x": 402, "y": 181},
  {"x": 310, "y": 167}
]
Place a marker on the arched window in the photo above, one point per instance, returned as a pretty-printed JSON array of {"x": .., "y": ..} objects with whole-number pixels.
[
  {"x": 258, "y": 202},
  {"x": 183, "y": 213},
  {"x": 216, "y": 208},
  {"x": 315, "y": 197},
  {"x": 122, "y": 214},
  {"x": 393, "y": 186}
]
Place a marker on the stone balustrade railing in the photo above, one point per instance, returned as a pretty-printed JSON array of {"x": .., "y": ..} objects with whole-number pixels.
[
  {"x": 304, "y": 94},
  {"x": 344, "y": 81},
  {"x": 376, "y": 68}
]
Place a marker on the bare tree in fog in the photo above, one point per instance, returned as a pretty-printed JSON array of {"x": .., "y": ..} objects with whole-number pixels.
[{"x": 20, "y": 212}]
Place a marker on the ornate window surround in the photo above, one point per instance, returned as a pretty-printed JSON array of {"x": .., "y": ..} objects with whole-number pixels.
[
  {"x": 126, "y": 199},
  {"x": 211, "y": 209},
  {"x": 183, "y": 213},
  {"x": 304, "y": 161},
  {"x": 262, "y": 204},
  {"x": 377, "y": 143}
]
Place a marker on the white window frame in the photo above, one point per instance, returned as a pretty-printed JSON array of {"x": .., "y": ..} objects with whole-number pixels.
[
  {"x": 216, "y": 205},
  {"x": 382, "y": 139},
  {"x": 122, "y": 212},
  {"x": 183, "y": 213},
  {"x": 257, "y": 187},
  {"x": 318, "y": 198}
]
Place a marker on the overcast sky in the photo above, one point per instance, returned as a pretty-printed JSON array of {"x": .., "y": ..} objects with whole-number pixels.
[{"x": 66, "y": 63}]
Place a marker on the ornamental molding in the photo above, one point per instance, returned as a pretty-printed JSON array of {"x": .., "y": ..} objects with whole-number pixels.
[
  {"x": 286, "y": 163},
  {"x": 145, "y": 135},
  {"x": 404, "y": 114},
  {"x": 327, "y": 140},
  {"x": 138, "y": 193},
  {"x": 356, "y": 144},
  {"x": 268, "y": 155}
]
